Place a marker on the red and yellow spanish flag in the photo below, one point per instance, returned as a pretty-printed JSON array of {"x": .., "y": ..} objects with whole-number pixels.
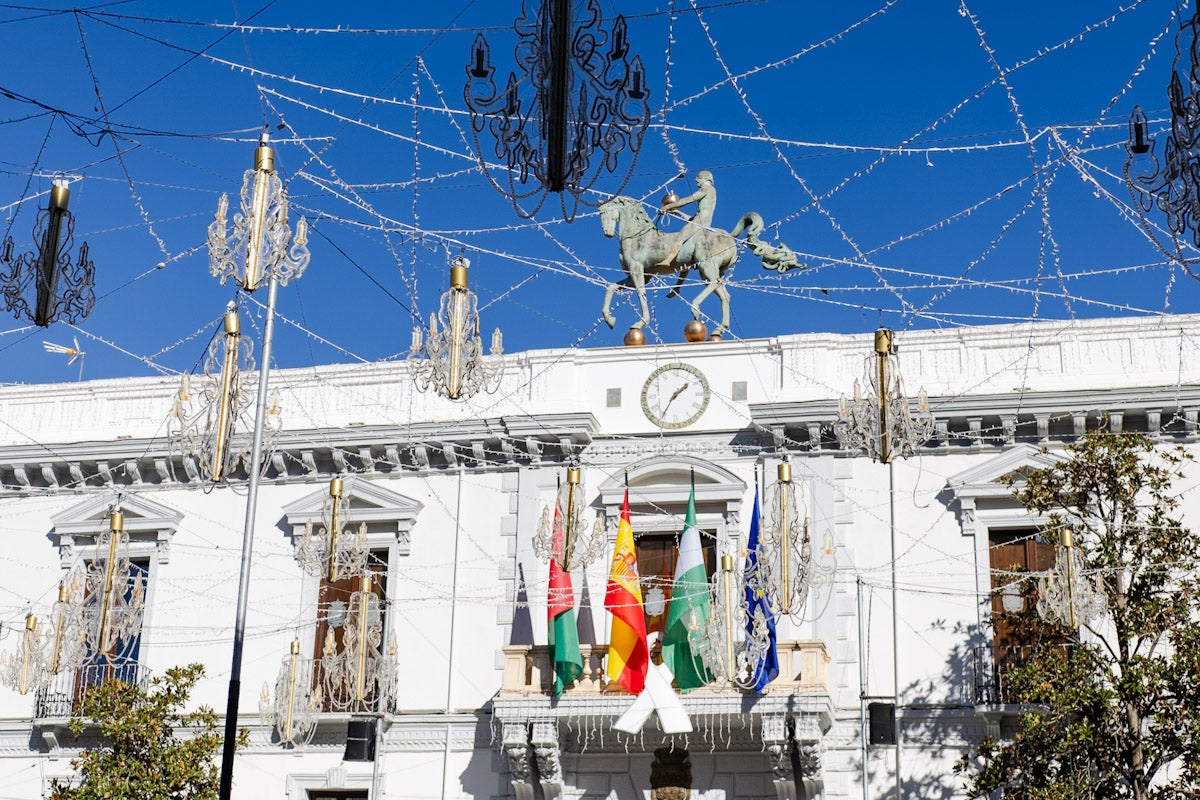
[{"x": 628, "y": 653}]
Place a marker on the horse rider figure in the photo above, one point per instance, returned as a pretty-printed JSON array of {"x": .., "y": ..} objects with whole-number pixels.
[{"x": 705, "y": 198}]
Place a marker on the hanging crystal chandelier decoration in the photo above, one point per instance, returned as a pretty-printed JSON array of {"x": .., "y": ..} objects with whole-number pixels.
[
  {"x": 880, "y": 421},
  {"x": 43, "y": 653},
  {"x": 298, "y": 700},
  {"x": 729, "y": 643},
  {"x": 581, "y": 545},
  {"x": 449, "y": 357},
  {"x": 590, "y": 104},
  {"x": 353, "y": 675},
  {"x": 43, "y": 285},
  {"x": 1066, "y": 594},
  {"x": 114, "y": 597},
  {"x": 26, "y": 669},
  {"x": 68, "y": 646},
  {"x": 334, "y": 549},
  {"x": 261, "y": 244},
  {"x": 785, "y": 547},
  {"x": 1172, "y": 185},
  {"x": 203, "y": 426}
]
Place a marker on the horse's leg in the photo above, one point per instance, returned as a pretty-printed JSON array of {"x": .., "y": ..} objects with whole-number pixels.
[
  {"x": 722, "y": 293},
  {"x": 639, "y": 283},
  {"x": 683, "y": 273},
  {"x": 712, "y": 278},
  {"x": 608, "y": 296}
]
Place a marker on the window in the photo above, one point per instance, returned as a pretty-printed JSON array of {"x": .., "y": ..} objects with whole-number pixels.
[
  {"x": 1013, "y": 553},
  {"x": 1006, "y": 542},
  {"x": 338, "y": 625},
  {"x": 657, "y": 555},
  {"x": 658, "y": 494},
  {"x": 121, "y": 660},
  {"x": 337, "y": 794},
  {"x": 337, "y": 628},
  {"x": 149, "y": 528}
]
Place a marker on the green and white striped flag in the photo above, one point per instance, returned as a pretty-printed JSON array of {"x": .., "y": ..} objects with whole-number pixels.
[{"x": 689, "y": 608}]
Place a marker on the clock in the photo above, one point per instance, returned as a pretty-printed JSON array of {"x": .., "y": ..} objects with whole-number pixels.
[{"x": 675, "y": 395}]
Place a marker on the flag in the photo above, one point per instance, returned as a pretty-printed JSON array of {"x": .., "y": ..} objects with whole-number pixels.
[
  {"x": 689, "y": 607},
  {"x": 758, "y": 607},
  {"x": 628, "y": 653},
  {"x": 562, "y": 635}
]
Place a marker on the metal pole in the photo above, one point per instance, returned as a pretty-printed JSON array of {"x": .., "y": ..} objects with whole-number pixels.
[
  {"x": 450, "y": 655},
  {"x": 239, "y": 631},
  {"x": 378, "y": 741},
  {"x": 895, "y": 619},
  {"x": 862, "y": 689}
]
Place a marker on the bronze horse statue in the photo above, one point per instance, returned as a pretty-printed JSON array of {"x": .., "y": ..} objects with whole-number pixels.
[{"x": 647, "y": 251}]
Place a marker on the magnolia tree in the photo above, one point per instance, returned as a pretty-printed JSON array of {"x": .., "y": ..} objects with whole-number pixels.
[
  {"x": 151, "y": 748},
  {"x": 1111, "y": 704}
]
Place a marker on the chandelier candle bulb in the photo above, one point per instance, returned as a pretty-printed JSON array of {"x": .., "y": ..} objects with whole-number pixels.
[
  {"x": 883, "y": 349},
  {"x": 785, "y": 540},
  {"x": 335, "y": 525},
  {"x": 574, "y": 476},
  {"x": 116, "y": 528},
  {"x": 364, "y": 606},
  {"x": 264, "y": 165},
  {"x": 64, "y": 594},
  {"x": 31, "y": 623},
  {"x": 727, "y": 582},
  {"x": 233, "y": 332},
  {"x": 291, "y": 705}
]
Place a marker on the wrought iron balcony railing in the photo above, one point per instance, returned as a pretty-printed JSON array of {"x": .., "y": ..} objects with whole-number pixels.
[{"x": 62, "y": 698}]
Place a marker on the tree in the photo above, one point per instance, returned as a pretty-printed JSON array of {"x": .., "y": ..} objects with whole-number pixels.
[
  {"x": 1112, "y": 709},
  {"x": 143, "y": 754}
]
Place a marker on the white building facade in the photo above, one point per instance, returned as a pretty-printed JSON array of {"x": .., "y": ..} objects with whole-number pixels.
[{"x": 452, "y": 494}]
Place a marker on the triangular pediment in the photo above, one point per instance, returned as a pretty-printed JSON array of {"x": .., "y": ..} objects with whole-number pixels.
[
  {"x": 362, "y": 501},
  {"x": 141, "y": 515},
  {"x": 989, "y": 478}
]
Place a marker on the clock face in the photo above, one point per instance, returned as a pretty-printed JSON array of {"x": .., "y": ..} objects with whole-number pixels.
[{"x": 675, "y": 395}]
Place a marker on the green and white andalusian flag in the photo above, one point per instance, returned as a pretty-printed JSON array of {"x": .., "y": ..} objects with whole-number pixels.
[{"x": 689, "y": 608}]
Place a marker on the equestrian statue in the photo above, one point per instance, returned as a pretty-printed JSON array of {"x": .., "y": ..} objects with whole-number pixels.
[{"x": 647, "y": 251}]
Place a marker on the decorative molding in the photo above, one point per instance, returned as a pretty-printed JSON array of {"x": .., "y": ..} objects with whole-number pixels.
[
  {"x": 515, "y": 744},
  {"x": 544, "y": 738},
  {"x": 363, "y": 501},
  {"x": 150, "y": 525},
  {"x": 981, "y": 420},
  {"x": 497, "y": 442}
]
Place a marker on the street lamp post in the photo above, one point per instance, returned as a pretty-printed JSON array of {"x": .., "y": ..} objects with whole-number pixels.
[{"x": 258, "y": 246}]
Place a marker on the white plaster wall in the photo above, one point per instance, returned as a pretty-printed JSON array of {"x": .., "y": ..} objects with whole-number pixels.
[{"x": 191, "y": 617}]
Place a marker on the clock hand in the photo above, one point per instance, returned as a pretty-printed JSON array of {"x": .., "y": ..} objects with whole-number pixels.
[{"x": 675, "y": 394}]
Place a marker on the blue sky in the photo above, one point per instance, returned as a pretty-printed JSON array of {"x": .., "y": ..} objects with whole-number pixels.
[{"x": 935, "y": 163}]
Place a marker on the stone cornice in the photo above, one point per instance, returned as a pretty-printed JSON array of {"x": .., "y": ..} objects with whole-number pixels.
[
  {"x": 1002, "y": 419},
  {"x": 308, "y": 454}
]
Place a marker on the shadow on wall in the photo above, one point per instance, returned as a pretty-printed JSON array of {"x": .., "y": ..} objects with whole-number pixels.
[
  {"x": 522, "y": 622},
  {"x": 938, "y": 725}
]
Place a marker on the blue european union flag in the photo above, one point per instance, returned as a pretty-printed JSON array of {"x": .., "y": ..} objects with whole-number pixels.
[{"x": 758, "y": 607}]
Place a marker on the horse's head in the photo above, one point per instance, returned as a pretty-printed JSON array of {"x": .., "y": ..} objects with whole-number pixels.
[
  {"x": 623, "y": 212},
  {"x": 610, "y": 210}
]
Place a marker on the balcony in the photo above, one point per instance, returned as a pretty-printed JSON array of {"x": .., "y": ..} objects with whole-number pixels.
[
  {"x": 62, "y": 698},
  {"x": 995, "y": 703},
  {"x": 798, "y": 701},
  {"x": 803, "y": 669},
  {"x": 791, "y": 716}
]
